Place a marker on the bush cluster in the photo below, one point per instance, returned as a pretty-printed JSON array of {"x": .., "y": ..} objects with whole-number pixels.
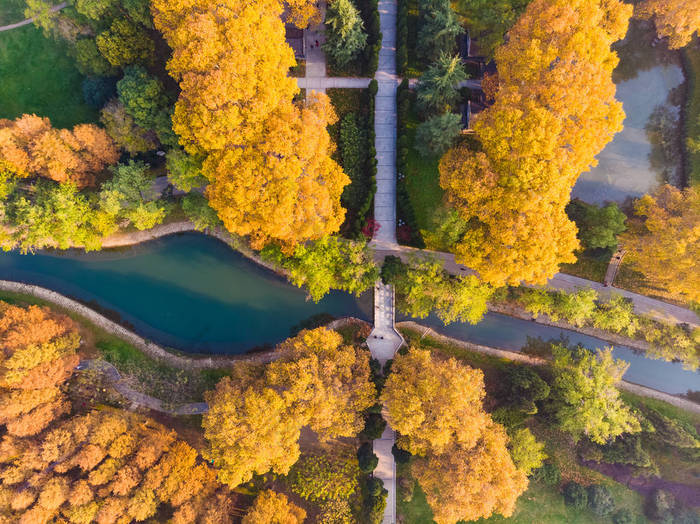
[
  {"x": 369, "y": 10},
  {"x": 584, "y": 308},
  {"x": 324, "y": 477},
  {"x": 401, "y": 37}
]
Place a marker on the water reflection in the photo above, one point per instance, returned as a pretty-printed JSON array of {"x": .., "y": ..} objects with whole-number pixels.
[{"x": 646, "y": 152}]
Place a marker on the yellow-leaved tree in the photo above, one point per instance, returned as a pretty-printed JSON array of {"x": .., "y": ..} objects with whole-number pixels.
[
  {"x": 554, "y": 110},
  {"x": 255, "y": 417},
  {"x": 271, "y": 507},
  {"x": 267, "y": 159},
  {"x": 664, "y": 241},
  {"x": 676, "y": 19},
  {"x": 463, "y": 464}
]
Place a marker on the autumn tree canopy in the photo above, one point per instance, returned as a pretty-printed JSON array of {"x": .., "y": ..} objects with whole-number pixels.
[
  {"x": 255, "y": 416},
  {"x": 537, "y": 138},
  {"x": 438, "y": 406},
  {"x": 470, "y": 483},
  {"x": 106, "y": 466},
  {"x": 271, "y": 507},
  {"x": 29, "y": 146},
  {"x": 664, "y": 243},
  {"x": 267, "y": 158},
  {"x": 37, "y": 355},
  {"x": 463, "y": 464},
  {"x": 677, "y": 20}
]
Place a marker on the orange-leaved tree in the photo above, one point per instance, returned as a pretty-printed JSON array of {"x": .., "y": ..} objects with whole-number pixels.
[
  {"x": 267, "y": 159},
  {"x": 271, "y": 507},
  {"x": 37, "y": 355},
  {"x": 30, "y": 146},
  {"x": 663, "y": 242},
  {"x": 677, "y": 20},
  {"x": 554, "y": 110},
  {"x": 463, "y": 464},
  {"x": 255, "y": 417},
  {"x": 108, "y": 466}
]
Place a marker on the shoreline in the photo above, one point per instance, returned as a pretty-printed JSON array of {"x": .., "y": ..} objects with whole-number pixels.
[{"x": 631, "y": 387}]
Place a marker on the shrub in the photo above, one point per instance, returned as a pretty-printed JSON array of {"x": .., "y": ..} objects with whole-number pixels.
[
  {"x": 548, "y": 474},
  {"x": 366, "y": 458},
  {"x": 660, "y": 505},
  {"x": 627, "y": 449},
  {"x": 617, "y": 315},
  {"x": 374, "y": 426},
  {"x": 526, "y": 451},
  {"x": 575, "y": 495},
  {"x": 376, "y": 501},
  {"x": 198, "y": 211},
  {"x": 672, "y": 432},
  {"x": 324, "y": 477},
  {"x": 437, "y": 134},
  {"x": 525, "y": 387},
  {"x": 401, "y": 37},
  {"x": 401, "y": 456},
  {"x": 600, "y": 500},
  {"x": 623, "y": 516},
  {"x": 353, "y": 153},
  {"x": 407, "y": 486},
  {"x": 98, "y": 89}
]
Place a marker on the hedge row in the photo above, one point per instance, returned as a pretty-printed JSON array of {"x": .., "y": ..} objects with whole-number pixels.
[
  {"x": 404, "y": 207},
  {"x": 369, "y": 10},
  {"x": 402, "y": 37},
  {"x": 363, "y": 211},
  {"x": 691, "y": 116}
]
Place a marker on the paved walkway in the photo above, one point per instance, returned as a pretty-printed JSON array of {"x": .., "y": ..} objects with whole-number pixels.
[
  {"x": 315, "y": 57},
  {"x": 384, "y": 340},
  {"x": 30, "y": 20},
  {"x": 613, "y": 267},
  {"x": 386, "y": 470},
  {"x": 320, "y": 84},
  {"x": 643, "y": 305}
]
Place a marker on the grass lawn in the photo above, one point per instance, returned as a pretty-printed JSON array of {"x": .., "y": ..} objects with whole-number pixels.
[
  {"x": 415, "y": 67},
  {"x": 422, "y": 181},
  {"x": 587, "y": 266},
  {"x": 11, "y": 11},
  {"x": 692, "y": 110},
  {"x": 39, "y": 77}
]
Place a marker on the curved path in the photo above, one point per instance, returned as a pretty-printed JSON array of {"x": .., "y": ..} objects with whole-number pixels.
[
  {"x": 30, "y": 20},
  {"x": 138, "y": 398}
]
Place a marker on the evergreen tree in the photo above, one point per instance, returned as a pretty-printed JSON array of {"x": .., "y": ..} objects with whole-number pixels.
[
  {"x": 345, "y": 33},
  {"x": 437, "y": 89}
]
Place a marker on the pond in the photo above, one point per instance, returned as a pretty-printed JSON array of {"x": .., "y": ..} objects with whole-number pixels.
[
  {"x": 648, "y": 151},
  {"x": 194, "y": 293}
]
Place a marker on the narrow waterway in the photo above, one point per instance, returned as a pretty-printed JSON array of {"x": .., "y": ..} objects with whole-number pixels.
[
  {"x": 647, "y": 152},
  {"x": 194, "y": 293}
]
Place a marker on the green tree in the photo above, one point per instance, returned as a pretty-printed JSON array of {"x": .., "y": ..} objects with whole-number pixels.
[
  {"x": 125, "y": 43},
  {"x": 437, "y": 134},
  {"x": 328, "y": 263},
  {"x": 489, "y": 20},
  {"x": 436, "y": 91},
  {"x": 345, "y": 36},
  {"x": 144, "y": 98},
  {"x": 598, "y": 227},
  {"x": 585, "y": 394},
  {"x": 184, "y": 171},
  {"x": 438, "y": 31},
  {"x": 57, "y": 216},
  {"x": 130, "y": 188},
  {"x": 526, "y": 451},
  {"x": 617, "y": 314},
  {"x": 121, "y": 127},
  {"x": 198, "y": 211},
  {"x": 579, "y": 307},
  {"x": 525, "y": 387},
  {"x": 325, "y": 477},
  {"x": 89, "y": 59},
  {"x": 423, "y": 286},
  {"x": 96, "y": 9}
]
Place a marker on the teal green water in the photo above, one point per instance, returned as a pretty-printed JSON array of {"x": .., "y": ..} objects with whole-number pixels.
[
  {"x": 194, "y": 293},
  {"x": 189, "y": 292}
]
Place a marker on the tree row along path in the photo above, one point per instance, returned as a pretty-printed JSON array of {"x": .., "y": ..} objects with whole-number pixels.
[
  {"x": 643, "y": 305},
  {"x": 31, "y": 20}
]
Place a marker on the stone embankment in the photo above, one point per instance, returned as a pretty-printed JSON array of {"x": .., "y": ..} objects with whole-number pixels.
[
  {"x": 642, "y": 391},
  {"x": 149, "y": 348}
]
